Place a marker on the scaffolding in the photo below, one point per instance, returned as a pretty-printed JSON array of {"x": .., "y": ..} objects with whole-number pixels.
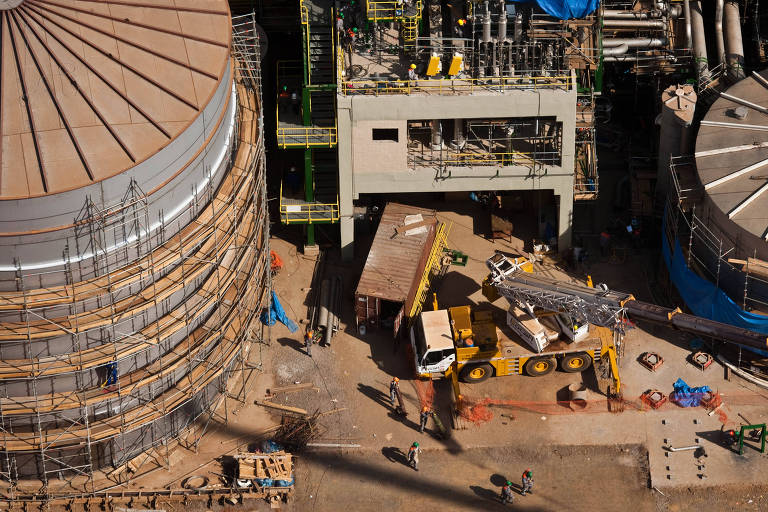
[
  {"x": 527, "y": 142},
  {"x": 149, "y": 332}
]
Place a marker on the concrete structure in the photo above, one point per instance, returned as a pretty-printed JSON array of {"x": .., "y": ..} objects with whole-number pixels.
[
  {"x": 368, "y": 166},
  {"x": 133, "y": 231}
]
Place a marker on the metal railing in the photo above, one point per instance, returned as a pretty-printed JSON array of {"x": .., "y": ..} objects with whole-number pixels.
[
  {"x": 390, "y": 10},
  {"x": 454, "y": 85},
  {"x": 298, "y": 136},
  {"x": 433, "y": 264},
  {"x": 306, "y": 136},
  {"x": 308, "y": 212}
]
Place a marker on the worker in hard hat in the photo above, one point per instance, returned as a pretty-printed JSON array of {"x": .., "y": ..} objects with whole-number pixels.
[
  {"x": 413, "y": 455},
  {"x": 393, "y": 388},
  {"x": 527, "y": 482},
  {"x": 461, "y": 25},
  {"x": 308, "y": 338},
  {"x": 507, "y": 496},
  {"x": 340, "y": 23},
  {"x": 412, "y": 73},
  {"x": 425, "y": 414}
]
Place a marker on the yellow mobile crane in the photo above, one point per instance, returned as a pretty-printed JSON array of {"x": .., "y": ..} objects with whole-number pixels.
[{"x": 462, "y": 343}]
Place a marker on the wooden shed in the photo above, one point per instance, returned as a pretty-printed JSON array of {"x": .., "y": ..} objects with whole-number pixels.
[{"x": 395, "y": 265}]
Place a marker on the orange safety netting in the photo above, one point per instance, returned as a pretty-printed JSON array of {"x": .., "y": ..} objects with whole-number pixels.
[
  {"x": 425, "y": 390},
  {"x": 479, "y": 410}
]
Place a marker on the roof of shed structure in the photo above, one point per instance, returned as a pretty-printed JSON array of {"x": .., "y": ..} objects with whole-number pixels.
[{"x": 394, "y": 259}]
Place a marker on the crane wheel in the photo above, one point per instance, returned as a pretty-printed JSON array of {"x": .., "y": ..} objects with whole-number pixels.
[
  {"x": 538, "y": 366},
  {"x": 575, "y": 363},
  {"x": 475, "y": 373}
]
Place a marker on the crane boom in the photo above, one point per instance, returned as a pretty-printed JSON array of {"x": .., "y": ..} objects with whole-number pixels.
[{"x": 603, "y": 307}]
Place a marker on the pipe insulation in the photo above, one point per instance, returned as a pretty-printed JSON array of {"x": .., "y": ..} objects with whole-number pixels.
[
  {"x": 638, "y": 58},
  {"x": 639, "y": 42},
  {"x": 734, "y": 48},
  {"x": 631, "y": 15},
  {"x": 699, "y": 40},
  {"x": 615, "y": 50},
  {"x": 719, "y": 32},
  {"x": 687, "y": 14},
  {"x": 649, "y": 24}
]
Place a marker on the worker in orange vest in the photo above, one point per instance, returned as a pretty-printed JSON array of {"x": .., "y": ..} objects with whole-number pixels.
[
  {"x": 425, "y": 414},
  {"x": 506, "y": 493},
  {"x": 527, "y": 482},
  {"x": 308, "y": 338}
]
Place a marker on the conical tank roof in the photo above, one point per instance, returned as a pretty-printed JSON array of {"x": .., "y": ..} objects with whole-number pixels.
[{"x": 90, "y": 88}]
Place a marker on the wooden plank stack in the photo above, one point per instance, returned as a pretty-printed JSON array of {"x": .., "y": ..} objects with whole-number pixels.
[{"x": 275, "y": 466}]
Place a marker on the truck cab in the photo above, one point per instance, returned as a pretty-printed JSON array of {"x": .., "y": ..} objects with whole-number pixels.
[{"x": 432, "y": 343}]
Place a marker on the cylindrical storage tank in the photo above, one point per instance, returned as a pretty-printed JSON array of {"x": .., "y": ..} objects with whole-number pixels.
[
  {"x": 131, "y": 208},
  {"x": 678, "y": 103}
]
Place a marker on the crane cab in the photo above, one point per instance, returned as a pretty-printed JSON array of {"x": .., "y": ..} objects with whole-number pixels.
[{"x": 432, "y": 343}]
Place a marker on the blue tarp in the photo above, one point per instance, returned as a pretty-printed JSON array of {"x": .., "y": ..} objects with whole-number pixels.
[
  {"x": 686, "y": 396},
  {"x": 566, "y": 9},
  {"x": 703, "y": 297},
  {"x": 276, "y": 312}
]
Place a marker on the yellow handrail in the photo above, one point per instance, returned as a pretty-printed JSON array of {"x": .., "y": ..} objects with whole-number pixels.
[
  {"x": 386, "y": 10},
  {"x": 490, "y": 159},
  {"x": 307, "y": 209},
  {"x": 433, "y": 263},
  {"x": 306, "y": 136},
  {"x": 453, "y": 85}
]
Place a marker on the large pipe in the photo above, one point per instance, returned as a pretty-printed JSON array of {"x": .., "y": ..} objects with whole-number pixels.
[
  {"x": 633, "y": 15},
  {"x": 640, "y": 58},
  {"x": 502, "y": 28},
  {"x": 687, "y": 14},
  {"x": 638, "y": 42},
  {"x": 719, "y": 32},
  {"x": 699, "y": 41},
  {"x": 615, "y": 50},
  {"x": 659, "y": 24},
  {"x": 734, "y": 48}
]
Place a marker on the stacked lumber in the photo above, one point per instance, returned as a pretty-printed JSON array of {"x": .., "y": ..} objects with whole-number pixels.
[{"x": 262, "y": 466}]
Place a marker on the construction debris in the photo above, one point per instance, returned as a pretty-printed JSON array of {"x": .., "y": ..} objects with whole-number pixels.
[
  {"x": 266, "y": 469},
  {"x": 286, "y": 408},
  {"x": 297, "y": 432}
]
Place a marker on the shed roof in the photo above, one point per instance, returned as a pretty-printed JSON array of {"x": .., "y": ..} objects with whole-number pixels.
[{"x": 395, "y": 260}]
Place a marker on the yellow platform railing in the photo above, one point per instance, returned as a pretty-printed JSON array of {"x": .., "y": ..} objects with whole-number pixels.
[
  {"x": 490, "y": 159},
  {"x": 306, "y": 136},
  {"x": 308, "y": 212},
  {"x": 433, "y": 264},
  {"x": 389, "y": 10},
  {"x": 454, "y": 85}
]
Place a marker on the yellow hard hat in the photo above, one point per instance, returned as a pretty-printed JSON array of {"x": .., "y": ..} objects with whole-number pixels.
[
  {"x": 462, "y": 21},
  {"x": 413, "y": 66},
  {"x": 396, "y": 379},
  {"x": 425, "y": 409}
]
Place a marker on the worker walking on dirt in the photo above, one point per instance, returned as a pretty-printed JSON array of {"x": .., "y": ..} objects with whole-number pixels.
[
  {"x": 527, "y": 482},
  {"x": 394, "y": 387},
  {"x": 413, "y": 455},
  {"x": 425, "y": 414},
  {"x": 308, "y": 338},
  {"x": 506, "y": 493}
]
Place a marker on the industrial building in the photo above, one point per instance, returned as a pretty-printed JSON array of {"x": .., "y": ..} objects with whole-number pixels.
[
  {"x": 133, "y": 233},
  {"x": 444, "y": 97}
]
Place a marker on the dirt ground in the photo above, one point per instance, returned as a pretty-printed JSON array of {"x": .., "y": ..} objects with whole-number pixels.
[{"x": 586, "y": 460}]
